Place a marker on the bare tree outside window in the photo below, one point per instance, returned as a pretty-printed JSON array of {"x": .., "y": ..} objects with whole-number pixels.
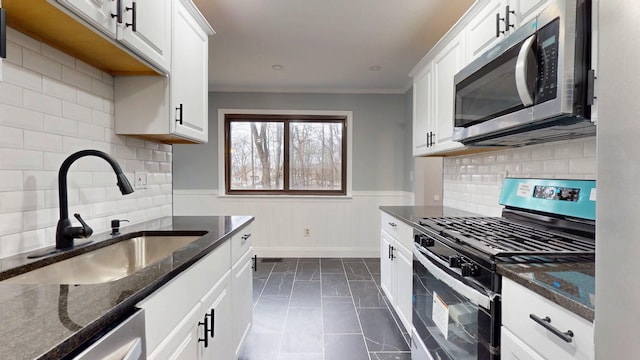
[{"x": 285, "y": 154}]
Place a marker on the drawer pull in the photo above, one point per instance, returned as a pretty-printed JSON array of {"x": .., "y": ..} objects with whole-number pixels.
[
  {"x": 546, "y": 323},
  {"x": 393, "y": 224},
  {"x": 246, "y": 236}
]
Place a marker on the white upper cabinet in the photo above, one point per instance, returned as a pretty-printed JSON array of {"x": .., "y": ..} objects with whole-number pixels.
[
  {"x": 100, "y": 14},
  {"x": 146, "y": 29},
  {"x": 496, "y": 20},
  {"x": 422, "y": 109},
  {"x": 445, "y": 65}
]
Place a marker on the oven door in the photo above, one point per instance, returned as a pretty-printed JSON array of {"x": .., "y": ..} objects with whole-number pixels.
[{"x": 451, "y": 320}]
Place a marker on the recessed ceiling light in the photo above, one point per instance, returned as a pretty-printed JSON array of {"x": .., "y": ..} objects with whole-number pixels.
[
  {"x": 277, "y": 67},
  {"x": 375, "y": 68}
]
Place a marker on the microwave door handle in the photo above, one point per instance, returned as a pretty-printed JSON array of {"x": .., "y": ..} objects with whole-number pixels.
[{"x": 522, "y": 68}]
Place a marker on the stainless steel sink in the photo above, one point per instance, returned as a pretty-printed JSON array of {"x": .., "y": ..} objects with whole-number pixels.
[{"x": 106, "y": 264}]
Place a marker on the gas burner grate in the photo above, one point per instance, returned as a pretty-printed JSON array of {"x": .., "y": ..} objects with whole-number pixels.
[{"x": 502, "y": 237}]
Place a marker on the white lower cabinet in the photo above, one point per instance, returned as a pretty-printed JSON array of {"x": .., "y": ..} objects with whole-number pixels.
[
  {"x": 205, "y": 312},
  {"x": 396, "y": 267},
  {"x": 557, "y": 334}
]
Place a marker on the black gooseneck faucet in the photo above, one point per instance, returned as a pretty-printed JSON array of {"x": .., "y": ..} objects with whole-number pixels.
[{"x": 65, "y": 233}]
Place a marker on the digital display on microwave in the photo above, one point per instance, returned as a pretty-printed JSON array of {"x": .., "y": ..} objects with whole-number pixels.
[{"x": 550, "y": 41}]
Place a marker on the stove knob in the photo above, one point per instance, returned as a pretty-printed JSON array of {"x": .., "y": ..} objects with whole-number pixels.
[
  {"x": 454, "y": 261},
  {"x": 469, "y": 269}
]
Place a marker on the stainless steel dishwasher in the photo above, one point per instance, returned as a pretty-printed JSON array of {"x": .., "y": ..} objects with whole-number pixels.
[{"x": 124, "y": 342}]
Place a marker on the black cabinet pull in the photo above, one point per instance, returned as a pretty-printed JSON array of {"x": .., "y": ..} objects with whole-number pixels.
[
  {"x": 393, "y": 224},
  {"x": 246, "y": 236},
  {"x": 179, "y": 112},
  {"x": 133, "y": 16},
  {"x": 389, "y": 251},
  {"x": 392, "y": 249},
  {"x": 3, "y": 33},
  {"x": 255, "y": 263},
  {"x": 498, "y": 18},
  {"x": 118, "y": 14},
  {"x": 212, "y": 315},
  {"x": 205, "y": 323},
  {"x": 546, "y": 323},
  {"x": 507, "y": 22}
]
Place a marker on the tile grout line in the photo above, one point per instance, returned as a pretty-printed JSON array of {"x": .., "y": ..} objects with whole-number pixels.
[
  {"x": 321, "y": 307},
  {"x": 286, "y": 317},
  {"x": 353, "y": 301}
]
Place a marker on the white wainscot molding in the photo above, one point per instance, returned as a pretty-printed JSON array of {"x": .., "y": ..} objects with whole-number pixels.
[{"x": 338, "y": 227}]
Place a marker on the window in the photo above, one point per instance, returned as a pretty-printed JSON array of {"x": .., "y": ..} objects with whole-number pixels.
[{"x": 285, "y": 154}]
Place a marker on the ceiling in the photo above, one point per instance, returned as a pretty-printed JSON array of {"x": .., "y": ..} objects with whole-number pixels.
[{"x": 328, "y": 46}]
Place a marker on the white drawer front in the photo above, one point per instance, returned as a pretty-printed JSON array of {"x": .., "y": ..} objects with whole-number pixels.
[
  {"x": 518, "y": 303},
  {"x": 398, "y": 229},
  {"x": 240, "y": 243},
  {"x": 167, "y": 306}
]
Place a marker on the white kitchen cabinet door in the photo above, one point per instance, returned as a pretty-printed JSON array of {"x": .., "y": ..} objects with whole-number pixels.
[
  {"x": 189, "y": 79},
  {"x": 403, "y": 262},
  {"x": 217, "y": 303},
  {"x": 99, "y": 14},
  {"x": 482, "y": 31},
  {"x": 445, "y": 65},
  {"x": 386, "y": 266},
  {"x": 422, "y": 109},
  {"x": 527, "y": 9},
  {"x": 512, "y": 348},
  {"x": 146, "y": 28},
  {"x": 242, "y": 296}
]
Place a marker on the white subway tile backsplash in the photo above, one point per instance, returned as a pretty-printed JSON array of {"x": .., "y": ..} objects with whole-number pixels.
[
  {"x": 41, "y": 64},
  {"x": 57, "y": 55},
  {"x": 58, "y": 89},
  {"x": 10, "y": 94},
  {"x": 11, "y": 223},
  {"x": 36, "y": 140},
  {"x": 11, "y": 137},
  {"x": 13, "y": 159},
  {"x": 475, "y": 188},
  {"x": 42, "y": 103},
  {"x": 11, "y": 180},
  {"x": 52, "y": 105},
  {"x": 17, "y": 75},
  {"x": 75, "y": 78}
]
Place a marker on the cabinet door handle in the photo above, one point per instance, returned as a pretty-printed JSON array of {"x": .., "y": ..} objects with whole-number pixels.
[
  {"x": 133, "y": 16},
  {"x": 392, "y": 249},
  {"x": 118, "y": 14},
  {"x": 507, "y": 22},
  {"x": 212, "y": 316},
  {"x": 246, "y": 236},
  {"x": 393, "y": 224},
  {"x": 255, "y": 263},
  {"x": 3, "y": 33},
  {"x": 179, "y": 114},
  {"x": 389, "y": 251},
  {"x": 546, "y": 323},
  {"x": 205, "y": 323}
]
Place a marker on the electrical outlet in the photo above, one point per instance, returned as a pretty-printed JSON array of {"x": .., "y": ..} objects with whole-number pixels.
[
  {"x": 140, "y": 180},
  {"x": 307, "y": 232}
]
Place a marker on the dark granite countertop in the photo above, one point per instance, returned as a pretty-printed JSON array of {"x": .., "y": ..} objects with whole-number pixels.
[
  {"x": 50, "y": 321},
  {"x": 571, "y": 285}
]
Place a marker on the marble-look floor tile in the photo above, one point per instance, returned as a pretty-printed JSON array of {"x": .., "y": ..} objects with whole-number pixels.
[
  {"x": 269, "y": 315},
  {"x": 258, "y": 285},
  {"x": 305, "y": 294},
  {"x": 373, "y": 264},
  {"x": 263, "y": 269},
  {"x": 366, "y": 294},
  {"x": 279, "y": 285},
  {"x": 390, "y": 355},
  {"x": 341, "y": 347},
  {"x": 339, "y": 316},
  {"x": 308, "y": 270},
  {"x": 302, "y": 331},
  {"x": 287, "y": 265},
  {"x": 357, "y": 271},
  {"x": 380, "y": 330},
  {"x": 352, "y": 260},
  {"x": 300, "y": 356},
  {"x": 335, "y": 285},
  {"x": 261, "y": 346},
  {"x": 331, "y": 266}
]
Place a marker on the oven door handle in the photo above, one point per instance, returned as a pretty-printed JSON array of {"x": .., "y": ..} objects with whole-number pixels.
[
  {"x": 458, "y": 286},
  {"x": 522, "y": 69}
]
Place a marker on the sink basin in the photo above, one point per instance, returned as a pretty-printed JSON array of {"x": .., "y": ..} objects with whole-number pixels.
[{"x": 106, "y": 264}]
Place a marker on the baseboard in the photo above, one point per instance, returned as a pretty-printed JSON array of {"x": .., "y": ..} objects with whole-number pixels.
[{"x": 316, "y": 253}]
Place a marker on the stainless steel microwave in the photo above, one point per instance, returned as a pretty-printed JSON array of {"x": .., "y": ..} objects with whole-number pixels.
[{"x": 535, "y": 86}]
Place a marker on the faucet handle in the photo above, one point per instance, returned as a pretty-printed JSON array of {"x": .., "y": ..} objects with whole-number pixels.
[{"x": 86, "y": 230}]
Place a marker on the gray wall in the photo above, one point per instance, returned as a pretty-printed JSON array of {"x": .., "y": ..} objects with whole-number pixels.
[
  {"x": 409, "y": 163},
  {"x": 381, "y": 145}
]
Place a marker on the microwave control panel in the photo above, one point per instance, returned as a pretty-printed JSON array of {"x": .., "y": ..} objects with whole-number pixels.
[{"x": 547, "y": 54}]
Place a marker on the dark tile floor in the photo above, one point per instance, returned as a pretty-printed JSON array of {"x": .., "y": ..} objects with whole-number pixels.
[{"x": 322, "y": 309}]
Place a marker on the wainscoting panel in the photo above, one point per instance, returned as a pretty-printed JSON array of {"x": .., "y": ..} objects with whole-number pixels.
[{"x": 338, "y": 227}]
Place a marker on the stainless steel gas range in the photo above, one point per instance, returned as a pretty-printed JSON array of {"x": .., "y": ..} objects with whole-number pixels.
[{"x": 456, "y": 289}]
